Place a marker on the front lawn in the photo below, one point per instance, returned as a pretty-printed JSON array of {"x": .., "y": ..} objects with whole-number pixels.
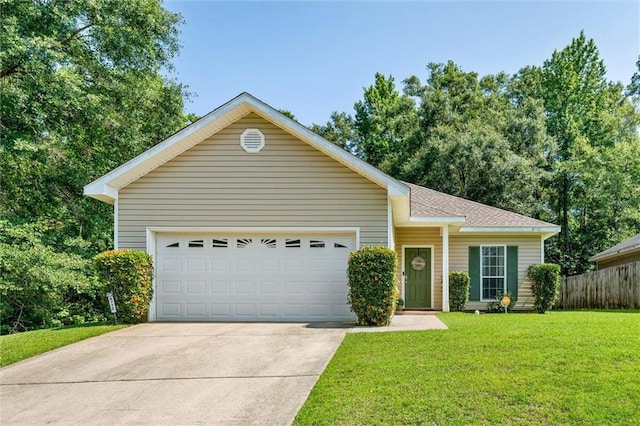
[
  {"x": 556, "y": 368},
  {"x": 15, "y": 347}
]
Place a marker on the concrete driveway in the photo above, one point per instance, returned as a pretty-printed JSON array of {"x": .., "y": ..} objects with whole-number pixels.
[{"x": 172, "y": 374}]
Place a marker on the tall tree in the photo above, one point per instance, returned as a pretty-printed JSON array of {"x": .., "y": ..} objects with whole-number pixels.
[
  {"x": 475, "y": 142},
  {"x": 384, "y": 121},
  {"x": 82, "y": 89},
  {"x": 587, "y": 116},
  {"x": 340, "y": 130}
]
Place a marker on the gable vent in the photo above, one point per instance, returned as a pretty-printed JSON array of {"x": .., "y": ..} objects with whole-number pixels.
[{"x": 252, "y": 140}]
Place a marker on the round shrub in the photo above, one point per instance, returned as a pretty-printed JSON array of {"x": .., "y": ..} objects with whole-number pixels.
[
  {"x": 372, "y": 284},
  {"x": 128, "y": 274},
  {"x": 459, "y": 285},
  {"x": 545, "y": 282}
]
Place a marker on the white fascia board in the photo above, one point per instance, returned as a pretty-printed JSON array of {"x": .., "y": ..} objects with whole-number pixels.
[
  {"x": 437, "y": 219},
  {"x": 256, "y": 229},
  {"x": 599, "y": 257},
  {"x": 431, "y": 221},
  {"x": 550, "y": 230},
  {"x": 101, "y": 191}
]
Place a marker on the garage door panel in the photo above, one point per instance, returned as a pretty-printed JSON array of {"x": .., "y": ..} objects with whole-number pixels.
[
  {"x": 244, "y": 310},
  {"x": 318, "y": 287},
  {"x": 338, "y": 287},
  {"x": 170, "y": 310},
  {"x": 170, "y": 287},
  {"x": 293, "y": 310},
  {"x": 269, "y": 265},
  {"x": 196, "y": 287},
  {"x": 170, "y": 265},
  {"x": 220, "y": 287},
  {"x": 293, "y": 264},
  {"x": 244, "y": 287},
  {"x": 252, "y": 278},
  {"x": 196, "y": 310},
  {"x": 220, "y": 265},
  {"x": 244, "y": 265},
  {"x": 196, "y": 264},
  {"x": 220, "y": 310},
  {"x": 269, "y": 310},
  {"x": 293, "y": 287},
  {"x": 269, "y": 288}
]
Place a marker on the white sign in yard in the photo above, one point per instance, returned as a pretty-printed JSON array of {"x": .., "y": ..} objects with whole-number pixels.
[{"x": 112, "y": 302}]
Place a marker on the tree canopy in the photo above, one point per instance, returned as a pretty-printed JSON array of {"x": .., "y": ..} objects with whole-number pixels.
[
  {"x": 82, "y": 90},
  {"x": 557, "y": 142}
]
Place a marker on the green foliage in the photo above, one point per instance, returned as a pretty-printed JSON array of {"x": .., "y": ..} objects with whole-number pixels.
[
  {"x": 459, "y": 287},
  {"x": 545, "y": 282},
  {"x": 373, "y": 288},
  {"x": 556, "y": 142},
  {"x": 128, "y": 274},
  {"x": 82, "y": 90},
  {"x": 594, "y": 125},
  {"x": 495, "y": 306},
  {"x": 41, "y": 287}
]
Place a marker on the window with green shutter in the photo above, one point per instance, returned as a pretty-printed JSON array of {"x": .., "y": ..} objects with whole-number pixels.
[{"x": 493, "y": 269}]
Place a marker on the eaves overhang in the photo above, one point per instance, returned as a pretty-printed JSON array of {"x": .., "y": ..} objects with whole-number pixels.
[
  {"x": 106, "y": 187},
  {"x": 545, "y": 231},
  {"x": 627, "y": 250}
]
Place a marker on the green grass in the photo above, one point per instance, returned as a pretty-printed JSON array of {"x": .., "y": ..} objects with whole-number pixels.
[
  {"x": 557, "y": 368},
  {"x": 16, "y": 347}
]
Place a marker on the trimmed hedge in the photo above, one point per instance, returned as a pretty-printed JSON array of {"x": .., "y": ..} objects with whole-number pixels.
[
  {"x": 459, "y": 286},
  {"x": 545, "y": 283},
  {"x": 128, "y": 274},
  {"x": 373, "y": 289}
]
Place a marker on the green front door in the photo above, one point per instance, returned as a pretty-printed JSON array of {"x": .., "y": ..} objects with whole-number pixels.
[{"x": 417, "y": 277}]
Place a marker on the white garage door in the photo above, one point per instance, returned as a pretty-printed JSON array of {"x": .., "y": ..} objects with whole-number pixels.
[{"x": 224, "y": 277}]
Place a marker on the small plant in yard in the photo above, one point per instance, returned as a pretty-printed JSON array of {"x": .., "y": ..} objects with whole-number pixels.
[
  {"x": 400, "y": 304},
  {"x": 459, "y": 285},
  {"x": 372, "y": 284},
  {"x": 545, "y": 282},
  {"x": 128, "y": 274},
  {"x": 496, "y": 305}
]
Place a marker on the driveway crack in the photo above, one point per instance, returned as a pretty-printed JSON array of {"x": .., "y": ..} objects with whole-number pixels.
[{"x": 161, "y": 379}]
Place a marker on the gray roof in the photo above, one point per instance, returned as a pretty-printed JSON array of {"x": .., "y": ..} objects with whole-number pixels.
[
  {"x": 427, "y": 202},
  {"x": 623, "y": 247}
]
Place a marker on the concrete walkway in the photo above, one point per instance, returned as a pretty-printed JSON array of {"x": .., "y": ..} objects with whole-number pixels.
[{"x": 166, "y": 374}]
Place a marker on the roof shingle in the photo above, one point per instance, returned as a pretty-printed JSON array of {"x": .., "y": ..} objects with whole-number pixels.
[
  {"x": 427, "y": 202},
  {"x": 624, "y": 246}
]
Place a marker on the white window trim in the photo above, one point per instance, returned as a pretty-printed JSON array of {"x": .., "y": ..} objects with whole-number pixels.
[{"x": 482, "y": 277}]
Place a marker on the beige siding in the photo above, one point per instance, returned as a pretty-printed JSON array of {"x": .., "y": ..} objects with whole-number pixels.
[
  {"x": 528, "y": 254},
  {"x": 217, "y": 184},
  {"x": 422, "y": 237}
]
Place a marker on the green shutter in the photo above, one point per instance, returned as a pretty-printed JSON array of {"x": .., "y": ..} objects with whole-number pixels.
[
  {"x": 512, "y": 271},
  {"x": 474, "y": 272}
]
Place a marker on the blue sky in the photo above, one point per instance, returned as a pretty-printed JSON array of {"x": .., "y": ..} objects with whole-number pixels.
[{"x": 313, "y": 58}]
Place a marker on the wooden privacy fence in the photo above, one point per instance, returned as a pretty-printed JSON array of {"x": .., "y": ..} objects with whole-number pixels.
[{"x": 610, "y": 288}]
